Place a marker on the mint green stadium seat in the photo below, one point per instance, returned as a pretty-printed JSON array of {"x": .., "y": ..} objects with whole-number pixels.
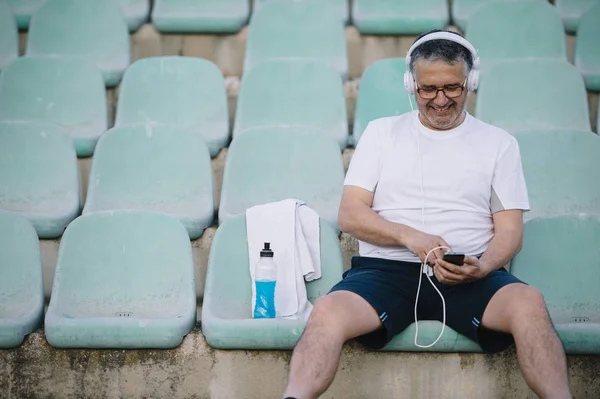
[
  {"x": 181, "y": 92},
  {"x": 89, "y": 29},
  {"x": 571, "y": 12},
  {"x": 516, "y": 30},
  {"x": 218, "y": 16},
  {"x": 135, "y": 12},
  {"x": 558, "y": 169},
  {"x": 399, "y": 17},
  {"x": 533, "y": 94},
  {"x": 153, "y": 168},
  {"x": 294, "y": 30},
  {"x": 21, "y": 281},
  {"x": 9, "y": 37},
  {"x": 381, "y": 93},
  {"x": 24, "y": 10},
  {"x": 273, "y": 164},
  {"x": 587, "y": 50},
  {"x": 39, "y": 175},
  {"x": 429, "y": 330},
  {"x": 67, "y": 92},
  {"x": 560, "y": 258},
  {"x": 124, "y": 279},
  {"x": 293, "y": 93},
  {"x": 462, "y": 10},
  {"x": 340, "y": 7},
  {"x": 227, "y": 319}
]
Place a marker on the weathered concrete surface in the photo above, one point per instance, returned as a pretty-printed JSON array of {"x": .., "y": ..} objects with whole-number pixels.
[{"x": 194, "y": 370}]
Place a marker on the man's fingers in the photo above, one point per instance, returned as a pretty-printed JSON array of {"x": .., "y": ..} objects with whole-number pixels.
[
  {"x": 452, "y": 268},
  {"x": 470, "y": 260},
  {"x": 447, "y": 272},
  {"x": 439, "y": 253},
  {"x": 440, "y": 274}
]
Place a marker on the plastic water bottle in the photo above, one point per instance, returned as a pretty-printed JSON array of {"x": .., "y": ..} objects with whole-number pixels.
[{"x": 265, "y": 277}]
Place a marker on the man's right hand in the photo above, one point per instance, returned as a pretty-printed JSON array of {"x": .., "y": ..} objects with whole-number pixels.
[{"x": 420, "y": 244}]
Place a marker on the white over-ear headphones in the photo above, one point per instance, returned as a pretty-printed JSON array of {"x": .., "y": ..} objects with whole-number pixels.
[{"x": 472, "y": 79}]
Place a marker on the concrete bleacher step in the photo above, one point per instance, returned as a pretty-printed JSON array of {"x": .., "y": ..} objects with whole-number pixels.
[
  {"x": 293, "y": 93},
  {"x": 196, "y": 95},
  {"x": 194, "y": 369},
  {"x": 38, "y": 171},
  {"x": 154, "y": 168},
  {"x": 90, "y": 29},
  {"x": 21, "y": 286},
  {"x": 124, "y": 279},
  {"x": 67, "y": 92}
]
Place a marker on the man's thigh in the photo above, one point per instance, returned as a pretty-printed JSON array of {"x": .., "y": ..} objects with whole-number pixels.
[{"x": 389, "y": 293}]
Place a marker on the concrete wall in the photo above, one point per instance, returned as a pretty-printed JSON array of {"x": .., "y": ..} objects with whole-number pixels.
[{"x": 194, "y": 370}]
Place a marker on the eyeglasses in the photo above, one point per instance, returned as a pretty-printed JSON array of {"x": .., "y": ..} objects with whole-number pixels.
[{"x": 450, "y": 91}]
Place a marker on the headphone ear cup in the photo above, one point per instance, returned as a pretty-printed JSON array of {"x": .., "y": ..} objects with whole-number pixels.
[
  {"x": 473, "y": 79},
  {"x": 409, "y": 82}
]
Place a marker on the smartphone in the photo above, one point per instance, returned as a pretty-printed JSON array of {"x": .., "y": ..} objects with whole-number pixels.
[{"x": 456, "y": 258}]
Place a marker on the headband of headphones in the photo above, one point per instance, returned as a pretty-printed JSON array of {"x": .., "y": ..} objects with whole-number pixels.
[{"x": 472, "y": 79}]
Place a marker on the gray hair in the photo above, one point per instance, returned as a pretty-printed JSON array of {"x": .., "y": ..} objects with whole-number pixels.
[{"x": 441, "y": 49}]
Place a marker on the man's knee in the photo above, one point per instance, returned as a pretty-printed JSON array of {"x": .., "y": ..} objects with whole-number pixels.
[{"x": 527, "y": 305}]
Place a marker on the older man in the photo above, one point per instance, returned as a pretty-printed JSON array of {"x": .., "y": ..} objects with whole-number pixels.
[{"x": 419, "y": 185}]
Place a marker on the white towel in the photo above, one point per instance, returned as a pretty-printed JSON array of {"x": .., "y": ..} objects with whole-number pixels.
[{"x": 292, "y": 228}]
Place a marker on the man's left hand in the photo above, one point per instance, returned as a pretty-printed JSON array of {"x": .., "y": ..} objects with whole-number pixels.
[{"x": 449, "y": 273}]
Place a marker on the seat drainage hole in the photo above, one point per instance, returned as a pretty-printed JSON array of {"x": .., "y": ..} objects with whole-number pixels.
[
  {"x": 581, "y": 319},
  {"x": 124, "y": 314}
]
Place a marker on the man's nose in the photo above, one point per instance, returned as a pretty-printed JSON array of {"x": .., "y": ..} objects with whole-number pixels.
[{"x": 440, "y": 98}]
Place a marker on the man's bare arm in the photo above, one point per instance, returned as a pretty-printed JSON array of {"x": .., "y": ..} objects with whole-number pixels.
[
  {"x": 357, "y": 218},
  {"x": 507, "y": 241}
]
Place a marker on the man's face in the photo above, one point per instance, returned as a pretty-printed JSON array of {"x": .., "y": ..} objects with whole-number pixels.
[{"x": 440, "y": 112}]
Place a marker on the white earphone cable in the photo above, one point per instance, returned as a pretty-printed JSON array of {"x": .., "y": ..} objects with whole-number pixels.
[{"x": 426, "y": 269}]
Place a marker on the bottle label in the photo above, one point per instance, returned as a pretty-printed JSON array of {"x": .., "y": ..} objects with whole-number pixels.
[{"x": 265, "y": 300}]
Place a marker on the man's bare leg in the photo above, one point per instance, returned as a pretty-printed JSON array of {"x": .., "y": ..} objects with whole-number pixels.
[
  {"x": 336, "y": 318},
  {"x": 520, "y": 310}
]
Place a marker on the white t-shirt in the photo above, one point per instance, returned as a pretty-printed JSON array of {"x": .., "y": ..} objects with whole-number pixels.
[{"x": 469, "y": 173}]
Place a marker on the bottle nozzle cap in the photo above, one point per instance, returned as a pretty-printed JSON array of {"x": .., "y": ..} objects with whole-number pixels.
[{"x": 267, "y": 252}]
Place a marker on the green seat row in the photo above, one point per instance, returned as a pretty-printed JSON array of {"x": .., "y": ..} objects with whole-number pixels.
[
  {"x": 21, "y": 280},
  {"x": 158, "y": 168},
  {"x": 9, "y": 38},
  {"x": 123, "y": 279},
  {"x": 89, "y": 29},
  {"x": 571, "y": 12},
  {"x": 399, "y": 17},
  {"x": 39, "y": 175},
  {"x": 587, "y": 51},
  {"x": 218, "y": 16},
  {"x": 66, "y": 92},
  {"x": 180, "y": 92},
  {"x": 293, "y": 93},
  {"x": 135, "y": 12},
  {"x": 296, "y": 30}
]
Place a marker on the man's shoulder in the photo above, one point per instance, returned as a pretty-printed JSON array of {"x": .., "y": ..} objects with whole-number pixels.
[
  {"x": 388, "y": 124},
  {"x": 491, "y": 131}
]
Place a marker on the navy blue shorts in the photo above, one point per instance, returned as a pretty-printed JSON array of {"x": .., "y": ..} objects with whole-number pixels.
[{"x": 391, "y": 288}]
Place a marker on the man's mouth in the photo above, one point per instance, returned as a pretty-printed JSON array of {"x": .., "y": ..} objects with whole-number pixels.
[{"x": 442, "y": 110}]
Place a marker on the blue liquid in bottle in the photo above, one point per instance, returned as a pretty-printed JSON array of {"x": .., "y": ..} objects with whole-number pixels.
[{"x": 265, "y": 300}]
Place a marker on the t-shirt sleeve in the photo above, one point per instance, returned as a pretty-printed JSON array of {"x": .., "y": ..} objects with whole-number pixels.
[
  {"x": 509, "y": 190},
  {"x": 365, "y": 164}
]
